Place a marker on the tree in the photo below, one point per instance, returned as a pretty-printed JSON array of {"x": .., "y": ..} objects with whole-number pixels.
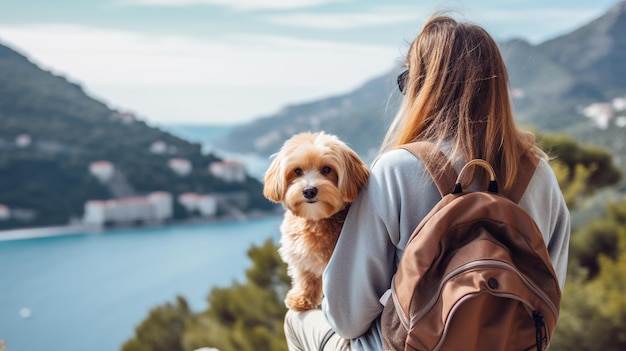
[
  {"x": 593, "y": 311},
  {"x": 162, "y": 330},
  {"x": 246, "y": 316},
  {"x": 242, "y": 317},
  {"x": 580, "y": 169}
]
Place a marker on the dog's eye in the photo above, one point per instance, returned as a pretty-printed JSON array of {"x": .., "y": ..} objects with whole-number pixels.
[
  {"x": 298, "y": 171},
  {"x": 326, "y": 170}
]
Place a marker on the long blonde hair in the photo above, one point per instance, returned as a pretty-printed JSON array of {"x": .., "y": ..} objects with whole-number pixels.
[{"x": 457, "y": 91}]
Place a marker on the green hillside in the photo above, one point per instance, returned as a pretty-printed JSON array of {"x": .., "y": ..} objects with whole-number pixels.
[{"x": 47, "y": 181}]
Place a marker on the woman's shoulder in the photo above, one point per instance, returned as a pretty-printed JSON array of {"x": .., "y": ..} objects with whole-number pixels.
[
  {"x": 543, "y": 182},
  {"x": 399, "y": 166},
  {"x": 396, "y": 158},
  {"x": 544, "y": 172}
]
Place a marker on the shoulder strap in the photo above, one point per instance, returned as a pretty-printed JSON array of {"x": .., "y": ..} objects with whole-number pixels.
[
  {"x": 433, "y": 159},
  {"x": 525, "y": 173}
]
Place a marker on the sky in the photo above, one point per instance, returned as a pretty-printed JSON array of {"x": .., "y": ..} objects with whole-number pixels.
[{"x": 232, "y": 61}]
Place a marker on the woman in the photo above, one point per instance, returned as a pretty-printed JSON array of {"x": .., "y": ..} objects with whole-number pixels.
[{"x": 455, "y": 96}]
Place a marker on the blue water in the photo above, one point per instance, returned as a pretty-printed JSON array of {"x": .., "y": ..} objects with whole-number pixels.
[{"x": 88, "y": 292}]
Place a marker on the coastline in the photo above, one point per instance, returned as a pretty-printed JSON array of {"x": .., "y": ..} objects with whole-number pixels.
[
  {"x": 44, "y": 232},
  {"x": 83, "y": 229}
]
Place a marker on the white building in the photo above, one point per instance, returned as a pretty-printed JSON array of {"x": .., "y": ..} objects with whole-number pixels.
[
  {"x": 600, "y": 112},
  {"x": 129, "y": 210},
  {"x": 205, "y": 205},
  {"x": 518, "y": 93},
  {"x": 188, "y": 201},
  {"x": 156, "y": 207},
  {"x": 23, "y": 140},
  {"x": 124, "y": 117},
  {"x": 103, "y": 170},
  {"x": 95, "y": 212},
  {"x": 162, "y": 204},
  {"x": 619, "y": 103},
  {"x": 5, "y": 213},
  {"x": 180, "y": 166},
  {"x": 159, "y": 147},
  {"x": 229, "y": 171}
]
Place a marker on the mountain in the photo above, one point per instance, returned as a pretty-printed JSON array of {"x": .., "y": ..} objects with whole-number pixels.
[
  {"x": 350, "y": 116},
  {"x": 51, "y": 132},
  {"x": 552, "y": 81},
  {"x": 595, "y": 53},
  {"x": 579, "y": 68}
]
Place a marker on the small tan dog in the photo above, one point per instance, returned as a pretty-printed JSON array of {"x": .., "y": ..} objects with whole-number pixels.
[{"x": 315, "y": 176}]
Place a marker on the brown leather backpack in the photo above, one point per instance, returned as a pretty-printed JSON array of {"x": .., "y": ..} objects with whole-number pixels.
[{"x": 475, "y": 274}]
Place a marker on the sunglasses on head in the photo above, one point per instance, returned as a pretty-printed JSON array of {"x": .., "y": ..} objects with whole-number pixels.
[{"x": 402, "y": 77}]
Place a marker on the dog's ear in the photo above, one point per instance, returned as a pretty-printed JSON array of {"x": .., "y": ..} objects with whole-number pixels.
[
  {"x": 352, "y": 176},
  {"x": 274, "y": 183}
]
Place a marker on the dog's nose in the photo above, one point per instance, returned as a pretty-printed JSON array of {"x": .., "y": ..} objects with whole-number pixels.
[{"x": 309, "y": 192}]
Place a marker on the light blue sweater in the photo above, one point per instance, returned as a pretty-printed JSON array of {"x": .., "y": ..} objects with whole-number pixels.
[{"x": 398, "y": 194}]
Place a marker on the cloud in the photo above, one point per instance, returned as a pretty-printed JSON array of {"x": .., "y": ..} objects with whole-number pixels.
[
  {"x": 345, "y": 20},
  {"x": 551, "y": 17},
  {"x": 233, "y": 80},
  {"x": 532, "y": 24},
  {"x": 107, "y": 56},
  {"x": 235, "y": 4}
]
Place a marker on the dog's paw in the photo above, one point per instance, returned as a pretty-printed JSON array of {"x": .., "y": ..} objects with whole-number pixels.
[{"x": 297, "y": 302}]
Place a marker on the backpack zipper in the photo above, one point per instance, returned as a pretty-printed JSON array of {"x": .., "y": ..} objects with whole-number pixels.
[
  {"x": 540, "y": 325},
  {"x": 472, "y": 295},
  {"x": 404, "y": 319},
  {"x": 474, "y": 265}
]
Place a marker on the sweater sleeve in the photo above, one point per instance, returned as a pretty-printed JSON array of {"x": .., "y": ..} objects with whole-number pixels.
[
  {"x": 360, "y": 268},
  {"x": 399, "y": 192}
]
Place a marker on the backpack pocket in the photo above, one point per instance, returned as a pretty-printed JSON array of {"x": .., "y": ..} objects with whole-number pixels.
[{"x": 483, "y": 305}]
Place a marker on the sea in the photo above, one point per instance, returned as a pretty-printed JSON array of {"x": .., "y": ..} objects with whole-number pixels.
[{"x": 88, "y": 292}]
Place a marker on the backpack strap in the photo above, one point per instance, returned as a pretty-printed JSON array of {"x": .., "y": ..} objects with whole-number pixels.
[
  {"x": 433, "y": 159},
  {"x": 524, "y": 174}
]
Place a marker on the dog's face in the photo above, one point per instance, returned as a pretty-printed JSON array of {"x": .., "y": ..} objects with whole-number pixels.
[{"x": 314, "y": 175}]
